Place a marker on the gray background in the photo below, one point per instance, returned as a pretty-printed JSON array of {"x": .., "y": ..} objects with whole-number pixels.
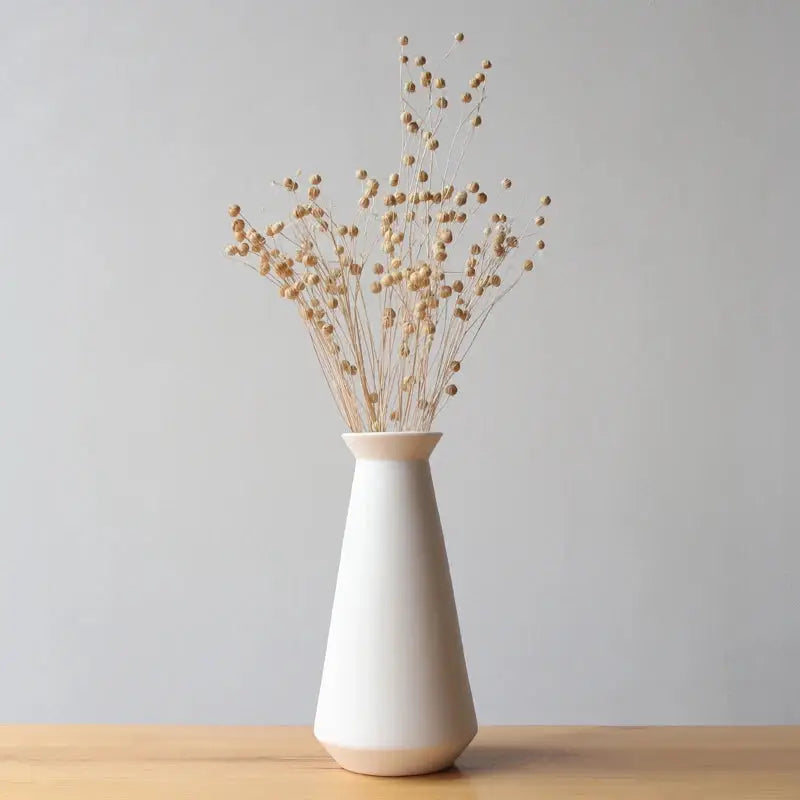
[{"x": 618, "y": 475}]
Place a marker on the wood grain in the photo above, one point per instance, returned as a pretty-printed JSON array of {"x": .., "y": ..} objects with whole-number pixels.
[{"x": 504, "y": 763}]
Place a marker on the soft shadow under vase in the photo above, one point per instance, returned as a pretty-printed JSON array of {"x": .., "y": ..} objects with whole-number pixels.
[{"x": 395, "y": 697}]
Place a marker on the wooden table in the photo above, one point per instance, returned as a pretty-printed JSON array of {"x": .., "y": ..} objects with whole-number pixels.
[{"x": 536, "y": 763}]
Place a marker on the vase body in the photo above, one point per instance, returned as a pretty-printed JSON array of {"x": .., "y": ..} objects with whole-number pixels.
[{"x": 395, "y": 697}]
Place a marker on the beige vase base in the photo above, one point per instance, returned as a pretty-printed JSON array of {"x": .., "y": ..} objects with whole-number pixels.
[{"x": 417, "y": 761}]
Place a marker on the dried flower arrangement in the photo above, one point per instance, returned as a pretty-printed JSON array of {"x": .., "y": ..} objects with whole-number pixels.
[{"x": 390, "y": 360}]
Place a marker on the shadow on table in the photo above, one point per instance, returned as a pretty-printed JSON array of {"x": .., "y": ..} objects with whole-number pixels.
[{"x": 497, "y": 757}]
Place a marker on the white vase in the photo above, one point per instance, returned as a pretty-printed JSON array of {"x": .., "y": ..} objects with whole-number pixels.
[{"x": 395, "y": 697}]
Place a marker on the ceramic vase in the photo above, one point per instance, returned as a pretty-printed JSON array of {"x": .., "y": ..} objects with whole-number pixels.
[{"x": 395, "y": 697}]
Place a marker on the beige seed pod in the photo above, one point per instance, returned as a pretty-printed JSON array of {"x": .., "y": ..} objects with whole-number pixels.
[
  {"x": 480, "y": 77},
  {"x": 386, "y": 280},
  {"x": 458, "y": 286},
  {"x": 425, "y": 79},
  {"x": 404, "y": 350},
  {"x": 364, "y": 202},
  {"x": 460, "y": 198},
  {"x": 420, "y": 61},
  {"x": 461, "y": 217},
  {"x": 482, "y": 197},
  {"x": 408, "y": 159},
  {"x": 433, "y": 144},
  {"x": 423, "y": 176},
  {"x": 306, "y": 313},
  {"x": 527, "y": 265},
  {"x": 428, "y": 327},
  {"x": 451, "y": 389},
  {"x": 353, "y": 231},
  {"x": 234, "y": 210},
  {"x": 239, "y": 235},
  {"x": 327, "y": 329},
  {"x": 459, "y": 37},
  {"x": 445, "y": 291},
  {"x": 470, "y": 272},
  {"x": 237, "y": 225},
  {"x": 313, "y": 192},
  {"x": 288, "y": 183},
  {"x": 506, "y": 184},
  {"x": 394, "y": 179},
  {"x": 375, "y": 287},
  {"x": 410, "y": 87},
  {"x": 342, "y": 230},
  {"x": 412, "y": 127},
  {"x": 466, "y": 97},
  {"x": 455, "y": 366},
  {"x": 315, "y": 179},
  {"x": 353, "y": 369},
  {"x": 410, "y": 215},
  {"x": 473, "y": 187},
  {"x": 403, "y": 40},
  {"x": 476, "y": 121},
  {"x": 512, "y": 242},
  {"x": 445, "y": 235},
  {"x": 377, "y": 269},
  {"x": 486, "y": 64},
  {"x": 361, "y": 174},
  {"x": 373, "y": 397},
  {"x": 231, "y": 250},
  {"x": 332, "y": 302},
  {"x": 400, "y": 197},
  {"x": 545, "y": 201},
  {"x": 406, "y": 117},
  {"x": 397, "y": 237},
  {"x": 388, "y": 200},
  {"x": 496, "y": 280},
  {"x": 474, "y": 83},
  {"x": 404, "y": 59},
  {"x": 540, "y": 244},
  {"x": 244, "y": 249},
  {"x": 439, "y": 83},
  {"x": 441, "y": 102},
  {"x": 539, "y": 221}
]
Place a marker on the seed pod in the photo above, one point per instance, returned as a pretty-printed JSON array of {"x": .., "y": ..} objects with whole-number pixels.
[{"x": 234, "y": 210}]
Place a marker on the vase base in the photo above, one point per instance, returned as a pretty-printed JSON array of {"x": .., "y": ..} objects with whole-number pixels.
[{"x": 395, "y": 763}]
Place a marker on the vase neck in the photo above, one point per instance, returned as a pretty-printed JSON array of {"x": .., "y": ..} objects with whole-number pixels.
[{"x": 400, "y": 446}]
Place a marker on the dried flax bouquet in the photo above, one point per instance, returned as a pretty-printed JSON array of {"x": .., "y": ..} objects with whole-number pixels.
[{"x": 393, "y": 296}]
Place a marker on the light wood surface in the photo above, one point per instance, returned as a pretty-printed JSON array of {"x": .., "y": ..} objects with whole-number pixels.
[{"x": 505, "y": 763}]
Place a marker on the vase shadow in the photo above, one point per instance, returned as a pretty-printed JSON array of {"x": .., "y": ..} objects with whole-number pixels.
[{"x": 480, "y": 758}]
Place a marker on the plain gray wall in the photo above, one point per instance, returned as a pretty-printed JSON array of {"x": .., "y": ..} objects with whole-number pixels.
[{"x": 618, "y": 478}]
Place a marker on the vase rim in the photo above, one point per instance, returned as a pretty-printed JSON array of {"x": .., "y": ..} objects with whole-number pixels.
[
  {"x": 392, "y": 445},
  {"x": 392, "y": 433}
]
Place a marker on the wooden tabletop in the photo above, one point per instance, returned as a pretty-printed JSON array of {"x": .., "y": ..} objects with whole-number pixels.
[{"x": 504, "y": 763}]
